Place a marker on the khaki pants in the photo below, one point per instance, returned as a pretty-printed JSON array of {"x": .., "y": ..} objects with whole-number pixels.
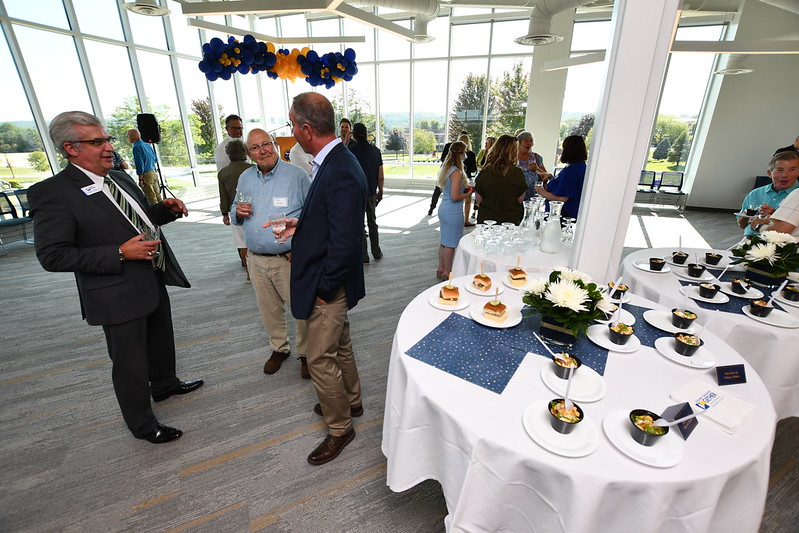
[
  {"x": 271, "y": 277},
  {"x": 149, "y": 184},
  {"x": 331, "y": 363}
]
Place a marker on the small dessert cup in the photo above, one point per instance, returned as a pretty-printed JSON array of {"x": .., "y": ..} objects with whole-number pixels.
[
  {"x": 760, "y": 308},
  {"x": 620, "y": 333},
  {"x": 682, "y": 318},
  {"x": 708, "y": 290},
  {"x": 679, "y": 257},
  {"x": 617, "y": 293},
  {"x": 712, "y": 258},
  {"x": 791, "y": 292},
  {"x": 695, "y": 270},
  {"x": 561, "y": 422},
  {"x": 656, "y": 263},
  {"x": 686, "y": 344},
  {"x": 739, "y": 286},
  {"x": 561, "y": 368},
  {"x": 641, "y": 428}
]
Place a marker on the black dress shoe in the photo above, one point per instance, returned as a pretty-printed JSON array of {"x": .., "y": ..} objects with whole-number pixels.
[
  {"x": 378, "y": 256},
  {"x": 354, "y": 411},
  {"x": 184, "y": 387},
  {"x": 161, "y": 434},
  {"x": 330, "y": 448}
]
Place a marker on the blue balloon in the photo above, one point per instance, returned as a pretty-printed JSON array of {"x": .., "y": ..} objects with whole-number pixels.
[
  {"x": 312, "y": 56},
  {"x": 243, "y": 69},
  {"x": 211, "y": 76},
  {"x": 217, "y": 45},
  {"x": 331, "y": 59},
  {"x": 206, "y": 48},
  {"x": 225, "y": 75},
  {"x": 249, "y": 39},
  {"x": 350, "y": 70},
  {"x": 204, "y": 66},
  {"x": 306, "y": 68},
  {"x": 247, "y": 57},
  {"x": 217, "y": 67},
  {"x": 270, "y": 60},
  {"x": 349, "y": 53}
]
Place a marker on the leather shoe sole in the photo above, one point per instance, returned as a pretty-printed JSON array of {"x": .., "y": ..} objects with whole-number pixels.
[
  {"x": 274, "y": 362},
  {"x": 330, "y": 448},
  {"x": 161, "y": 434},
  {"x": 184, "y": 387},
  {"x": 354, "y": 411}
]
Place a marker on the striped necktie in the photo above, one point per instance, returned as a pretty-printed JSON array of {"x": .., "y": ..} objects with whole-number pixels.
[{"x": 133, "y": 216}]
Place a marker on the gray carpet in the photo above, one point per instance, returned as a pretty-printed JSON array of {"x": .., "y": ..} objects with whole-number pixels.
[{"x": 69, "y": 463}]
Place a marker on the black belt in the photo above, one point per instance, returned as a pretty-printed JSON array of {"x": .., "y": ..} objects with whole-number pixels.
[{"x": 270, "y": 255}]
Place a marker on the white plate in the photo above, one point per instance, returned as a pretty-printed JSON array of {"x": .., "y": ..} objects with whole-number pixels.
[
  {"x": 693, "y": 293},
  {"x": 778, "y": 297},
  {"x": 600, "y": 336},
  {"x": 778, "y": 318},
  {"x": 683, "y": 273},
  {"x": 490, "y": 292},
  {"x": 476, "y": 312},
  {"x": 722, "y": 264},
  {"x": 582, "y": 441},
  {"x": 463, "y": 303},
  {"x": 506, "y": 282},
  {"x": 587, "y": 385},
  {"x": 701, "y": 359},
  {"x": 751, "y": 293},
  {"x": 626, "y": 317},
  {"x": 660, "y": 319},
  {"x": 665, "y": 453},
  {"x": 644, "y": 265}
]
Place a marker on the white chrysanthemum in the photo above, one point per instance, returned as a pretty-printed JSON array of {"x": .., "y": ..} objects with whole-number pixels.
[
  {"x": 565, "y": 293},
  {"x": 536, "y": 286},
  {"x": 778, "y": 238},
  {"x": 574, "y": 275},
  {"x": 606, "y": 305},
  {"x": 759, "y": 252}
]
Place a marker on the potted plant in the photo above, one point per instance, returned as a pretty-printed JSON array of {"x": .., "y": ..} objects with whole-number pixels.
[
  {"x": 568, "y": 301},
  {"x": 768, "y": 257}
]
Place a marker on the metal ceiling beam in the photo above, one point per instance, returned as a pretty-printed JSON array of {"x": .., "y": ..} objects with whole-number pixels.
[
  {"x": 235, "y": 7},
  {"x": 231, "y": 30},
  {"x": 737, "y": 47},
  {"x": 373, "y": 20}
]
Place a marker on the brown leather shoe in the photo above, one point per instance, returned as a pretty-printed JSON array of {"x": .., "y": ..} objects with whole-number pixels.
[
  {"x": 354, "y": 411},
  {"x": 274, "y": 362},
  {"x": 304, "y": 373},
  {"x": 330, "y": 448}
]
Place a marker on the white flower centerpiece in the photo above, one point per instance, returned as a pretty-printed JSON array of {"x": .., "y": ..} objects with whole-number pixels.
[
  {"x": 768, "y": 257},
  {"x": 568, "y": 301}
]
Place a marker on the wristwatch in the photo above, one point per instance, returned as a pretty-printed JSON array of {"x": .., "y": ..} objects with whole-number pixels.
[{"x": 121, "y": 255}]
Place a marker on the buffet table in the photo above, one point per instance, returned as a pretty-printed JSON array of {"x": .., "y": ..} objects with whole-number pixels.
[
  {"x": 495, "y": 477},
  {"x": 468, "y": 259},
  {"x": 771, "y": 350}
]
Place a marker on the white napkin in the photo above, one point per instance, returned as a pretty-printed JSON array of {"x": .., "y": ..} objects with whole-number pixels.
[{"x": 726, "y": 410}]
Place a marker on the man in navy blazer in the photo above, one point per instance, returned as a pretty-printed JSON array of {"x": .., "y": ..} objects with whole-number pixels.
[
  {"x": 79, "y": 227},
  {"x": 326, "y": 269}
]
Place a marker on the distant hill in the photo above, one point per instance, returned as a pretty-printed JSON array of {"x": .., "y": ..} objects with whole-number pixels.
[
  {"x": 22, "y": 123},
  {"x": 401, "y": 120}
]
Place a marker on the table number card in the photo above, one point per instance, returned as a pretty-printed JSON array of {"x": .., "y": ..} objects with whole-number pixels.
[
  {"x": 730, "y": 374},
  {"x": 678, "y": 411}
]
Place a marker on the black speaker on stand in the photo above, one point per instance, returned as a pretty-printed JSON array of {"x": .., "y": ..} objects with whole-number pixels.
[{"x": 151, "y": 133}]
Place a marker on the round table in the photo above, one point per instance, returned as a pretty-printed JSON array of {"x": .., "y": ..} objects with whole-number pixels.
[
  {"x": 496, "y": 478},
  {"x": 772, "y": 351},
  {"x": 468, "y": 259}
]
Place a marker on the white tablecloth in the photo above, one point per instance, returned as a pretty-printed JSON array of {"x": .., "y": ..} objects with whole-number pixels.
[
  {"x": 468, "y": 258},
  {"x": 772, "y": 351},
  {"x": 496, "y": 478}
]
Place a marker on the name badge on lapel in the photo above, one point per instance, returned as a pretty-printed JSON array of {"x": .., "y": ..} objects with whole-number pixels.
[
  {"x": 91, "y": 189},
  {"x": 280, "y": 201}
]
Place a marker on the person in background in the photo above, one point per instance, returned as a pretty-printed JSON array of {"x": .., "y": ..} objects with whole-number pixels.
[
  {"x": 298, "y": 156},
  {"x": 276, "y": 188},
  {"x": 91, "y": 220},
  {"x": 531, "y": 163},
  {"x": 144, "y": 159},
  {"x": 481, "y": 155},
  {"x": 567, "y": 187},
  {"x": 371, "y": 161},
  {"x": 790, "y": 148},
  {"x": 235, "y": 130},
  {"x": 454, "y": 190},
  {"x": 470, "y": 168},
  {"x": 437, "y": 190},
  {"x": 500, "y": 186},
  {"x": 119, "y": 162},
  {"x": 228, "y": 181},
  {"x": 345, "y": 131},
  {"x": 784, "y": 172}
]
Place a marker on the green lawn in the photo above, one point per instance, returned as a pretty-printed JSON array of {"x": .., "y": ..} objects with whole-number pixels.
[{"x": 661, "y": 165}]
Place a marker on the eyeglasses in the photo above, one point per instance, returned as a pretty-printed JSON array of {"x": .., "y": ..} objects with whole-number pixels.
[
  {"x": 266, "y": 147},
  {"x": 100, "y": 141}
]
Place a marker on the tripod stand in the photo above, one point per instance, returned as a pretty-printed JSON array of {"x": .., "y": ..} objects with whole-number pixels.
[{"x": 162, "y": 186}]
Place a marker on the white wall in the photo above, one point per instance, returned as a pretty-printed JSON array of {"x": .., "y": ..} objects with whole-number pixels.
[{"x": 754, "y": 114}]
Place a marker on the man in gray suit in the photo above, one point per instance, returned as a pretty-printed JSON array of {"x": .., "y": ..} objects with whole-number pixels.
[{"x": 91, "y": 220}]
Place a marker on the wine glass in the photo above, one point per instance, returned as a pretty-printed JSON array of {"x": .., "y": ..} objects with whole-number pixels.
[
  {"x": 244, "y": 199},
  {"x": 278, "y": 223},
  {"x": 152, "y": 234}
]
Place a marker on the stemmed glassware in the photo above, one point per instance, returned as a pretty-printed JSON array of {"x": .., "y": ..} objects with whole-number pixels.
[{"x": 278, "y": 224}]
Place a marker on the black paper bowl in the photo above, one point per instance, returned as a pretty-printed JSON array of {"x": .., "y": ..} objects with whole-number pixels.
[
  {"x": 656, "y": 263},
  {"x": 758, "y": 308},
  {"x": 639, "y": 435},
  {"x": 681, "y": 321},
  {"x": 739, "y": 286},
  {"x": 712, "y": 258},
  {"x": 684, "y": 348},
  {"x": 620, "y": 338},
  {"x": 560, "y": 425},
  {"x": 708, "y": 290},
  {"x": 791, "y": 292},
  {"x": 695, "y": 270},
  {"x": 617, "y": 294},
  {"x": 563, "y": 371},
  {"x": 679, "y": 257}
]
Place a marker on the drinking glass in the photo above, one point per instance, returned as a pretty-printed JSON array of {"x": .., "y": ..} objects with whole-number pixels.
[
  {"x": 278, "y": 224},
  {"x": 152, "y": 234}
]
